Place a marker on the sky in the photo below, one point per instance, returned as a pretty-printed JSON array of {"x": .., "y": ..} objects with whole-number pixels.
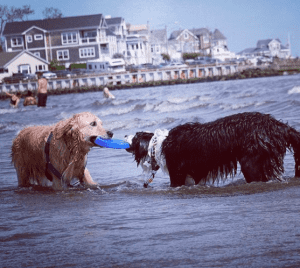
[{"x": 242, "y": 22}]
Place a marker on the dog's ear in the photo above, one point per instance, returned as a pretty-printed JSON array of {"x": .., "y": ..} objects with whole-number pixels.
[
  {"x": 69, "y": 129},
  {"x": 63, "y": 128}
]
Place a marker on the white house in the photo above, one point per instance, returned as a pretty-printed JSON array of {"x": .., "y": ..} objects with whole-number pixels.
[
  {"x": 21, "y": 62},
  {"x": 118, "y": 27},
  {"x": 267, "y": 48},
  {"x": 138, "y": 48}
]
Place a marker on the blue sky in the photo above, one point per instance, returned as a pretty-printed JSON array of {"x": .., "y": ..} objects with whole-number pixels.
[{"x": 243, "y": 22}]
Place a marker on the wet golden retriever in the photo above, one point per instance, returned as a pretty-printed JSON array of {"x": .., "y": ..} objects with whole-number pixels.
[{"x": 56, "y": 155}]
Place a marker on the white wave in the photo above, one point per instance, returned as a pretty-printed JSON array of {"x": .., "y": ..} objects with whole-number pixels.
[
  {"x": 117, "y": 111},
  {"x": 294, "y": 90},
  {"x": 167, "y": 107},
  {"x": 149, "y": 107},
  {"x": 8, "y": 111},
  {"x": 235, "y": 106},
  {"x": 205, "y": 98}
]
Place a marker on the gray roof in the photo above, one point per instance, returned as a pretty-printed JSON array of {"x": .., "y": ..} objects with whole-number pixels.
[
  {"x": 18, "y": 27},
  {"x": 113, "y": 21},
  {"x": 7, "y": 57},
  {"x": 109, "y": 32},
  {"x": 158, "y": 36},
  {"x": 217, "y": 35},
  {"x": 265, "y": 42},
  {"x": 199, "y": 31},
  {"x": 175, "y": 34}
]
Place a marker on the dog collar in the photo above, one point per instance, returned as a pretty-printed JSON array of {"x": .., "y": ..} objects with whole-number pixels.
[{"x": 49, "y": 166}]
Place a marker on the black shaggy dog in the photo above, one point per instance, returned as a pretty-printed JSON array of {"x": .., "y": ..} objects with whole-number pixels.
[{"x": 211, "y": 151}]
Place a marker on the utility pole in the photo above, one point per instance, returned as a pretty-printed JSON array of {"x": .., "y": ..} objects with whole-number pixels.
[{"x": 167, "y": 41}]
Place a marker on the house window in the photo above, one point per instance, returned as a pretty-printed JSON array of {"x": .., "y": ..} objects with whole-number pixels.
[
  {"x": 90, "y": 36},
  {"x": 38, "y": 37},
  {"x": 38, "y": 54},
  {"x": 29, "y": 38},
  {"x": 186, "y": 36},
  {"x": 62, "y": 54},
  {"x": 40, "y": 67},
  {"x": 69, "y": 38},
  {"x": 87, "y": 52},
  {"x": 16, "y": 42},
  {"x": 24, "y": 69}
]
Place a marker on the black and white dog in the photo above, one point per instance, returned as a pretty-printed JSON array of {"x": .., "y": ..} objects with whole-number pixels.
[{"x": 211, "y": 151}]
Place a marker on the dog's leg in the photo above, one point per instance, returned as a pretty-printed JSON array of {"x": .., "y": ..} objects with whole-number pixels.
[
  {"x": 252, "y": 168},
  {"x": 87, "y": 178},
  {"x": 177, "y": 178}
]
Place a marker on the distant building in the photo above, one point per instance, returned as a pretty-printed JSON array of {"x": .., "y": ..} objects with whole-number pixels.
[
  {"x": 201, "y": 40},
  {"x": 158, "y": 45},
  {"x": 21, "y": 62},
  {"x": 118, "y": 27},
  {"x": 267, "y": 48},
  {"x": 138, "y": 47},
  {"x": 204, "y": 36},
  {"x": 184, "y": 41},
  {"x": 67, "y": 40}
]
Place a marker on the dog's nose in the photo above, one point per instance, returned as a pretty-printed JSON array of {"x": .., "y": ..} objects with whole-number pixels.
[{"x": 110, "y": 134}]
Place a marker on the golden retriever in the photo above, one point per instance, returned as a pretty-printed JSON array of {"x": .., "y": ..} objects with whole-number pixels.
[{"x": 56, "y": 155}]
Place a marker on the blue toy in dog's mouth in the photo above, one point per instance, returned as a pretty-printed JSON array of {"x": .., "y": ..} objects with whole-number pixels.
[{"x": 111, "y": 143}]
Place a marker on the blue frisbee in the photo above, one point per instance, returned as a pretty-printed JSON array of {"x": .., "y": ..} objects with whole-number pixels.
[{"x": 112, "y": 143}]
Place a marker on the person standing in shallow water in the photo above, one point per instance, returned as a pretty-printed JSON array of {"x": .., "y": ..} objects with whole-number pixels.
[{"x": 42, "y": 91}]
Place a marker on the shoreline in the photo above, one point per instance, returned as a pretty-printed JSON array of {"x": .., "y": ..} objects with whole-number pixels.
[{"x": 245, "y": 74}]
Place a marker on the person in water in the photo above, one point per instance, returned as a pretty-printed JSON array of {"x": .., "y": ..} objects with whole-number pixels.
[
  {"x": 42, "y": 91},
  {"x": 29, "y": 100},
  {"x": 107, "y": 94},
  {"x": 14, "y": 99}
]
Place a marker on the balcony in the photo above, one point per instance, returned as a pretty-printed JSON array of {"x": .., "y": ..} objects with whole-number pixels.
[
  {"x": 104, "y": 51},
  {"x": 92, "y": 40}
]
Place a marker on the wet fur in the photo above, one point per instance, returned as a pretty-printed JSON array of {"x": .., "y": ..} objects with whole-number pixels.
[
  {"x": 72, "y": 140},
  {"x": 211, "y": 151}
]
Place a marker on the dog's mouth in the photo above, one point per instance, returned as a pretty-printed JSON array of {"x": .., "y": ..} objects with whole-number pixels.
[{"x": 92, "y": 140}]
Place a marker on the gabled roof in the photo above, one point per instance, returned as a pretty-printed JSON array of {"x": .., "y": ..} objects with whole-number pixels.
[
  {"x": 114, "y": 21},
  {"x": 217, "y": 35},
  {"x": 176, "y": 34},
  {"x": 158, "y": 36},
  {"x": 7, "y": 57},
  {"x": 265, "y": 42},
  {"x": 199, "y": 31},
  {"x": 109, "y": 32},
  {"x": 88, "y": 21}
]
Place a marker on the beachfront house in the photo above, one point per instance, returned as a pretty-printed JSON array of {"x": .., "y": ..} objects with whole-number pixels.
[
  {"x": 204, "y": 37},
  {"x": 20, "y": 62},
  {"x": 267, "y": 48},
  {"x": 159, "y": 44},
  {"x": 117, "y": 25},
  {"x": 137, "y": 42},
  {"x": 67, "y": 40},
  {"x": 184, "y": 41}
]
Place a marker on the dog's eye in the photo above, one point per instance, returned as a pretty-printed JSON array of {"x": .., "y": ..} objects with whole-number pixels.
[{"x": 93, "y": 124}]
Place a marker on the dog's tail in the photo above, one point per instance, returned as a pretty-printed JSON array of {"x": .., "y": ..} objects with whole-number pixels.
[{"x": 294, "y": 146}]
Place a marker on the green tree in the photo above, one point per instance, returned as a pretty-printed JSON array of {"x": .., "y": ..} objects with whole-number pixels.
[
  {"x": 118, "y": 56},
  {"x": 52, "y": 13},
  {"x": 166, "y": 57},
  {"x": 10, "y": 14}
]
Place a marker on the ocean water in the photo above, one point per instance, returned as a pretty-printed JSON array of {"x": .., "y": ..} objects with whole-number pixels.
[{"x": 121, "y": 224}]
